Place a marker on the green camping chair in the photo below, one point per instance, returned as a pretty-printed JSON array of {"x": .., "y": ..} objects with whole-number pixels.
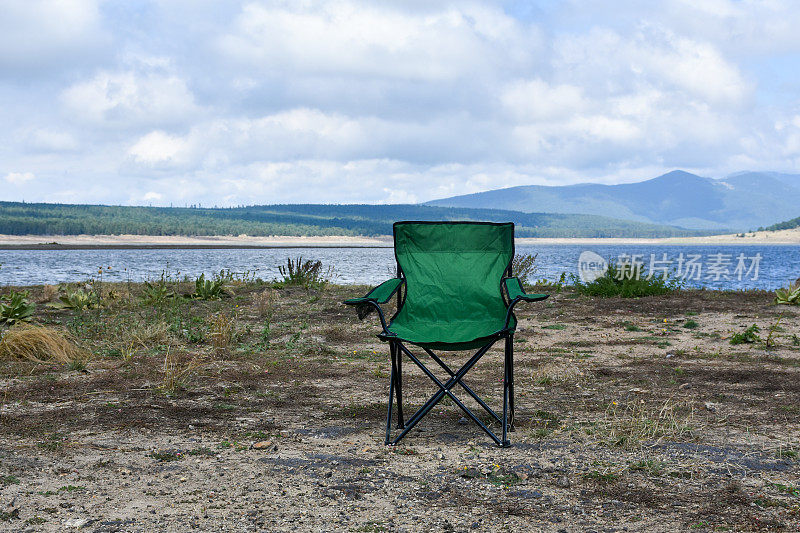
[{"x": 454, "y": 292}]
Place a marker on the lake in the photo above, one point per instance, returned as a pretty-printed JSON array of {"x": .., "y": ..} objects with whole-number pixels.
[{"x": 712, "y": 266}]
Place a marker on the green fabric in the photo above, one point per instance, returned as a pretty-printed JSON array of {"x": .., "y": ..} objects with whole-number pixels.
[
  {"x": 454, "y": 275},
  {"x": 381, "y": 294},
  {"x": 514, "y": 288}
]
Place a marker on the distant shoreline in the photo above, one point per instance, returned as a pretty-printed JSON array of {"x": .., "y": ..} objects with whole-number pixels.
[{"x": 133, "y": 242}]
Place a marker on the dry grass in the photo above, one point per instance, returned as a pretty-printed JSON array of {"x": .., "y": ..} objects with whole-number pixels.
[
  {"x": 561, "y": 373},
  {"x": 40, "y": 344},
  {"x": 145, "y": 334},
  {"x": 176, "y": 373},
  {"x": 265, "y": 303},
  {"x": 221, "y": 329},
  {"x": 636, "y": 421},
  {"x": 339, "y": 333},
  {"x": 48, "y": 293}
]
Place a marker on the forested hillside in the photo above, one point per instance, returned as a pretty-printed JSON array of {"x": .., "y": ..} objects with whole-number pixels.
[
  {"x": 295, "y": 220},
  {"x": 786, "y": 224}
]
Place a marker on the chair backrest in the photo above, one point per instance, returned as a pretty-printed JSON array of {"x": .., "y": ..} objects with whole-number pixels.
[{"x": 454, "y": 270}]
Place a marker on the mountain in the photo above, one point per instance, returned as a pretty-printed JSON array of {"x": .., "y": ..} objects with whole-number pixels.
[
  {"x": 792, "y": 180},
  {"x": 739, "y": 202},
  {"x": 307, "y": 219}
]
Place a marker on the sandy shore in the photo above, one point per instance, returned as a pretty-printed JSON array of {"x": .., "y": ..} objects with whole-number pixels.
[
  {"x": 791, "y": 236},
  {"x": 146, "y": 241},
  {"x": 173, "y": 241}
]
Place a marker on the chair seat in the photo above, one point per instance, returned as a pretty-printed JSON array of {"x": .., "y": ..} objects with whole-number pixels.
[{"x": 448, "y": 334}]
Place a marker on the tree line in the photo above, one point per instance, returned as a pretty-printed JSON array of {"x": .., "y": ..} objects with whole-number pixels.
[{"x": 297, "y": 220}]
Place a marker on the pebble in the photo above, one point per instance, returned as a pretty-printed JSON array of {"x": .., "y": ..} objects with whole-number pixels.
[
  {"x": 75, "y": 523},
  {"x": 563, "y": 482}
]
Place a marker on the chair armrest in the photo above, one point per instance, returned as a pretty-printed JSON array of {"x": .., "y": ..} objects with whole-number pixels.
[
  {"x": 380, "y": 294},
  {"x": 516, "y": 292}
]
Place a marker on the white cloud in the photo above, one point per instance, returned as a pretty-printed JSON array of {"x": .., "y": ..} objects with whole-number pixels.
[
  {"x": 158, "y": 147},
  {"x": 363, "y": 38},
  {"x": 18, "y": 178},
  {"x": 152, "y": 196},
  {"x": 130, "y": 99}
]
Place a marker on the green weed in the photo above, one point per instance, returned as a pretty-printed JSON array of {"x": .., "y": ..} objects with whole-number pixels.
[
  {"x": 206, "y": 289},
  {"x": 748, "y": 336},
  {"x": 627, "y": 281},
  {"x": 308, "y": 274},
  {"x": 15, "y": 307}
]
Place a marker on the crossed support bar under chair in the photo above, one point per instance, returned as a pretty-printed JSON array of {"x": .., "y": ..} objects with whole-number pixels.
[{"x": 396, "y": 349}]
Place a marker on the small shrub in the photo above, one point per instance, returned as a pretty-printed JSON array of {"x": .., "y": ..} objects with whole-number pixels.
[
  {"x": 309, "y": 274},
  {"x": 156, "y": 293},
  {"x": 691, "y": 324},
  {"x": 523, "y": 266},
  {"x": 748, "y": 336},
  {"x": 15, "y": 307},
  {"x": 39, "y": 344},
  {"x": 78, "y": 300},
  {"x": 627, "y": 281},
  {"x": 206, "y": 289}
]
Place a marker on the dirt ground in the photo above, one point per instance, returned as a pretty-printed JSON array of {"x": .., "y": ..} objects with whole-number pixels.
[{"x": 632, "y": 415}]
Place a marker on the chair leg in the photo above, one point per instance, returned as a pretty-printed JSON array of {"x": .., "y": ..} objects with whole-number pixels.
[
  {"x": 399, "y": 387},
  {"x": 511, "y": 383},
  {"x": 506, "y": 391},
  {"x": 392, "y": 379}
]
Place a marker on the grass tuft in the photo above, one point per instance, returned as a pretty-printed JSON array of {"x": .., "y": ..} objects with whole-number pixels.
[
  {"x": 221, "y": 330},
  {"x": 562, "y": 373},
  {"x": 636, "y": 422},
  {"x": 176, "y": 373},
  {"x": 40, "y": 344}
]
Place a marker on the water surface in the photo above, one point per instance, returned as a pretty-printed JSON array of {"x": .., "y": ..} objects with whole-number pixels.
[{"x": 778, "y": 264}]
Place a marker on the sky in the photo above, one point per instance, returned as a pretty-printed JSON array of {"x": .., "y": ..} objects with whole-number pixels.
[{"x": 182, "y": 102}]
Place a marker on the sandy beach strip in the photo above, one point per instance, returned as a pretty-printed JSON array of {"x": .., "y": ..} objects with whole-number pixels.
[
  {"x": 57, "y": 242},
  {"x": 782, "y": 237}
]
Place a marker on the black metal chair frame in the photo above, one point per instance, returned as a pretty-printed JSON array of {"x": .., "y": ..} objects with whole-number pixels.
[{"x": 396, "y": 351}]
